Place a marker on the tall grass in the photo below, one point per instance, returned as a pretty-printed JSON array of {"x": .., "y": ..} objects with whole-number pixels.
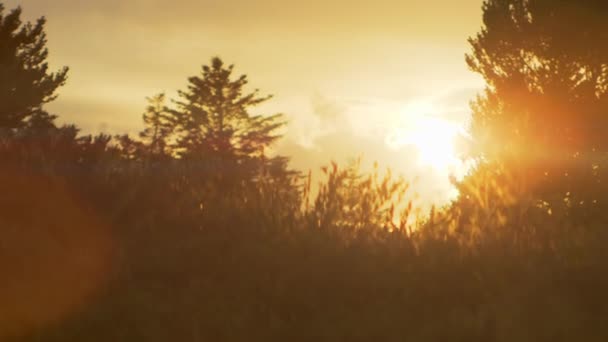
[{"x": 194, "y": 253}]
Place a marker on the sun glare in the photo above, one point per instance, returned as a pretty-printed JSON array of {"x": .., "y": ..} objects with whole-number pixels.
[{"x": 433, "y": 138}]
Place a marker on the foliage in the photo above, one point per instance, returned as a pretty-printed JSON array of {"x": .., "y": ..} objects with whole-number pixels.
[
  {"x": 213, "y": 115},
  {"x": 546, "y": 82},
  {"x": 26, "y": 83},
  {"x": 542, "y": 114},
  {"x": 157, "y": 127}
]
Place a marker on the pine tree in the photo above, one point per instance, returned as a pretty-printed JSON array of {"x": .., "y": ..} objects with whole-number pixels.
[
  {"x": 543, "y": 115},
  {"x": 25, "y": 81},
  {"x": 157, "y": 126},
  {"x": 213, "y": 116},
  {"x": 546, "y": 70}
]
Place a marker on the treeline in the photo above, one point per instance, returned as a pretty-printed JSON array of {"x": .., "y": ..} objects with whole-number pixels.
[{"x": 193, "y": 231}]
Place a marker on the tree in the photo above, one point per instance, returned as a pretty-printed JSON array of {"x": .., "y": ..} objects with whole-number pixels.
[
  {"x": 157, "y": 126},
  {"x": 546, "y": 80},
  {"x": 25, "y": 81},
  {"x": 213, "y": 116},
  {"x": 543, "y": 114}
]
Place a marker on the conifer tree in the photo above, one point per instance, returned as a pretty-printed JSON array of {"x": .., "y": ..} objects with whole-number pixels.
[
  {"x": 26, "y": 83},
  {"x": 544, "y": 112},
  {"x": 157, "y": 126},
  {"x": 546, "y": 70},
  {"x": 213, "y": 116}
]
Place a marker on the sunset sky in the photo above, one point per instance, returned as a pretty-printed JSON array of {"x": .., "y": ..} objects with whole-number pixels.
[{"x": 353, "y": 77}]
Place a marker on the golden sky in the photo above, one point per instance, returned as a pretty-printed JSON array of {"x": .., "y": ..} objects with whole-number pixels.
[{"x": 341, "y": 70}]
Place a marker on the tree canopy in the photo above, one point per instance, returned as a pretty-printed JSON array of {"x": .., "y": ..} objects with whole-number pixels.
[
  {"x": 213, "y": 115},
  {"x": 27, "y": 84},
  {"x": 546, "y": 69},
  {"x": 157, "y": 126}
]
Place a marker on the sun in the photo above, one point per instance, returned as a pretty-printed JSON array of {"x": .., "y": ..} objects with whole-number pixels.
[
  {"x": 435, "y": 142},
  {"x": 433, "y": 138}
]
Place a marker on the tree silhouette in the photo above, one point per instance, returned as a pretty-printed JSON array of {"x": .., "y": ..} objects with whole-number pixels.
[
  {"x": 213, "y": 116},
  {"x": 543, "y": 112},
  {"x": 546, "y": 70},
  {"x": 157, "y": 126},
  {"x": 26, "y": 83}
]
